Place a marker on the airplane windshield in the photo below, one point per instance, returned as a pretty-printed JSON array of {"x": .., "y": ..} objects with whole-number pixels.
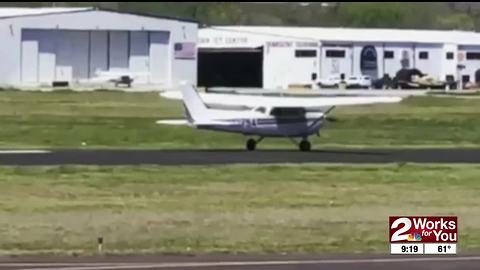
[
  {"x": 288, "y": 112},
  {"x": 261, "y": 109}
]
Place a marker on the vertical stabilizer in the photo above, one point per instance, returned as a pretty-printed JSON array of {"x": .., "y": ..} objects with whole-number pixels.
[{"x": 196, "y": 110}]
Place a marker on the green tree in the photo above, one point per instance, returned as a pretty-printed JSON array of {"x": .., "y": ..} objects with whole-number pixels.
[
  {"x": 456, "y": 21},
  {"x": 415, "y": 15},
  {"x": 371, "y": 14},
  {"x": 390, "y": 15},
  {"x": 219, "y": 13}
]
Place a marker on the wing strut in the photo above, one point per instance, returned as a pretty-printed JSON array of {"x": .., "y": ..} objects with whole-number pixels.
[
  {"x": 324, "y": 116},
  {"x": 329, "y": 110}
]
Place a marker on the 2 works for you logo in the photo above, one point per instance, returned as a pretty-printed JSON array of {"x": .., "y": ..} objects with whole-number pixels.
[{"x": 423, "y": 229}]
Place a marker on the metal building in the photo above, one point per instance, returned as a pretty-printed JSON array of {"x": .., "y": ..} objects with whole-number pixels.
[
  {"x": 241, "y": 59},
  {"x": 444, "y": 55},
  {"x": 41, "y": 46}
]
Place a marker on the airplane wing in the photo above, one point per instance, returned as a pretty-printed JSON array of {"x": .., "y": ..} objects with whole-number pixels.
[{"x": 252, "y": 101}]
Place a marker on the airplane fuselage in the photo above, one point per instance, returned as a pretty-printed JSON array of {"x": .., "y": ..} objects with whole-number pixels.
[{"x": 270, "y": 127}]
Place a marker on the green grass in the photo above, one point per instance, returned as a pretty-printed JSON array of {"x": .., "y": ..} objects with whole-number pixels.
[
  {"x": 234, "y": 209},
  {"x": 467, "y": 93},
  {"x": 115, "y": 119}
]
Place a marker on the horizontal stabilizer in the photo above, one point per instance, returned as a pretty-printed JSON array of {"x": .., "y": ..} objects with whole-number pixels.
[
  {"x": 186, "y": 123},
  {"x": 179, "y": 122},
  {"x": 212, "y": 123}
]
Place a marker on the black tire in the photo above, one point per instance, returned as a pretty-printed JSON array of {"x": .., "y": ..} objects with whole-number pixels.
[
  {"x": 251, "y": 145},
  {"x": 305, "y": 146}
]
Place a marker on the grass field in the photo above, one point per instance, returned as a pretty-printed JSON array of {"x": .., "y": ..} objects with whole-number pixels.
[
  {"x": 113, "y": 119},
  {"x": 234, "y": 209}
]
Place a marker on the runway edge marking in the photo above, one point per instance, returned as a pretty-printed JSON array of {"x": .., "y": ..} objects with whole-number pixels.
[
  {"x": 119, "y": 266},
  {"x": 24, "y": 151}
]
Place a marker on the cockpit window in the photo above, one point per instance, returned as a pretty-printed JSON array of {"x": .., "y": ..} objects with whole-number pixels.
[
  {"x": 288, "y": 112},
  {"x": 261, "y": 109}
]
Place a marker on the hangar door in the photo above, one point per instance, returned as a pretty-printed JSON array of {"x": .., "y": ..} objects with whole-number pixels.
[
  {"x": 49, "y": 55},
  {"x": 29, "y": 72},
  {"x": 74, "y": 55},
  {"x": 230, "y": 67},
  {"x": 159, "y": 55},
  {"x": 39, "y": 56},
  {"x": 139, "y": 55}
]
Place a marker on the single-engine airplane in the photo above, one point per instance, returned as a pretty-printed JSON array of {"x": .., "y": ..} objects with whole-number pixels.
[{"x": 288, "y": 117}]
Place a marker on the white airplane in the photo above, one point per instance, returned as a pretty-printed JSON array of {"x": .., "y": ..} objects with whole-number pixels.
[{"x": 289, "y": 117}]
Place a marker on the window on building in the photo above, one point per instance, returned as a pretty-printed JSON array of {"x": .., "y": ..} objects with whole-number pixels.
[
  {"x": 465, "y": 78},
  {"x": 423, "y": 55},
  {"x": 335, "y": 53},
  {"x": 450, "y": 55},
  {"x": 473, "y": 55},
  {"x": 305, "y": 53},
  {"x": 388, "y": 55}
]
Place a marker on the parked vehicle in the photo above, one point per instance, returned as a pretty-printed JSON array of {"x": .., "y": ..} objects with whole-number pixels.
[
  {"x": 361, "y": 81},
  {"x": 415, "y": 79},
  {"x": 412, "y": 79},
  {"x": 384, "y": 83},
  {"x": 331, "y": 81}
]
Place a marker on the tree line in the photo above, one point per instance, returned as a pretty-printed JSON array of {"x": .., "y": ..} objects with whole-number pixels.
[{"x": 429, "y": 15}]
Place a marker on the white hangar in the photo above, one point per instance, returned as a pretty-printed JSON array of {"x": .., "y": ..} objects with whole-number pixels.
[
  {"x": 239, "y": 59},
  {"x": 444, "y": 55},
  {"x": 41, "y": 46}
]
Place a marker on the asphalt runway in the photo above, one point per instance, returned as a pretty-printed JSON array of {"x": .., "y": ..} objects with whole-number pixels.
[
  {"x": 213, "y": 157},
  {"x": 245, "y": 263}
]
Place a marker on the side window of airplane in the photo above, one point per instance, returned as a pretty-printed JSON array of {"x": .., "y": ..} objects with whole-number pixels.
[
  {"x": 261, "y": 109},
  {"x": 288, "y": 112}
]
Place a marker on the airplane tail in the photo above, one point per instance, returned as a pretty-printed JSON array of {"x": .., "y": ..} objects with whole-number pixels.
[{"x": 195, "y": 109}]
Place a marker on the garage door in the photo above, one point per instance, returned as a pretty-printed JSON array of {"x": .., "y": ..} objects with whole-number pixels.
[
  {"x": 230, "y": 67},
  {"x": 46, "y": 56},
  {"x": 139, "y": 58},
  {"x": 98, "y": 52},
  {"x": 118, "y": 50},
  {"x": 63, "y": 69},
  {"x": 71, "y": 55},
  {"x": 29, "y": 56},
  {"x": 159, "y": 71}
]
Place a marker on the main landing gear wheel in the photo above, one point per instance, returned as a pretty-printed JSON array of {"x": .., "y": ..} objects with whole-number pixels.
[
  {"x": 305, "y": 146},
  {"x": 251, "y": 144}
]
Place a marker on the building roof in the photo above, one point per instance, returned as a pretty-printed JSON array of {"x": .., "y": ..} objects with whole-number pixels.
[
  {"x": 12, "y": 12},
  {"x": 9, "y": 12},
  {"x": 345, "y": 35},
  {"x": 220, "y": 38}
]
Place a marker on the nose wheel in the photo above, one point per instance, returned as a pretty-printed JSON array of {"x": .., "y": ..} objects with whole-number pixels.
[
  {"x": 251, "y": 144},
  {"x": 305, "y": 146}
]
